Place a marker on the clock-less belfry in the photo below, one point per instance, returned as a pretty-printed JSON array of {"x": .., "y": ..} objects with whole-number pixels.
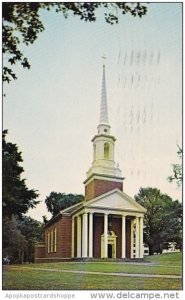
[{"x": 108, "y": 223}]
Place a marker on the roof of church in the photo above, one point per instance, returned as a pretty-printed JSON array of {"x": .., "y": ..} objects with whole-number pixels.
[
  {"x": 121, "y": 203},
  {"x": 115, "y": 200},
  {"x": 74, "y": 208},
  {"x": 66, "y": 211}
]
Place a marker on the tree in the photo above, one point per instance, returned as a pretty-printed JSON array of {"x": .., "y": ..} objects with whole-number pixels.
[
  {"x": 55, "y": 202},
  {"x": 16, "y": 197},
  {"x": 163, "y": 219},
  {"x": 33, "y": 231},
  {"x": 177, "y": 169},
  {"x": 22, "y": 24},
  {"x": 19, "y": 232},
  {"x": 13, "y": 242},
  {"x": 19, "y": 237}
]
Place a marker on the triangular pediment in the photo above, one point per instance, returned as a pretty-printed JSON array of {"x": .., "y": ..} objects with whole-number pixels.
[{"x": 115, "y": 200}]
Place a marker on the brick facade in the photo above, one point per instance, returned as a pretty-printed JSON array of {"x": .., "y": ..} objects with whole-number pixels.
[
  {"x": 63, "y": 238},
  {"x": 117, "y": 228},
  {"x": 98, "y": 231},
  {"x": 63, "y": 227},
  {"x": 40, "y": 250},
  {"x": 128, "y": 238},
  {"x": 98, "y": 187}
]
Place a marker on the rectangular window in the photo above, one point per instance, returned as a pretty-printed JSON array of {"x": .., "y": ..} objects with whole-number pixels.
[
  {"x": 49, "y": 242},
  {"x": 55, "y": 240},
  {"x": 52, "y": 241}
]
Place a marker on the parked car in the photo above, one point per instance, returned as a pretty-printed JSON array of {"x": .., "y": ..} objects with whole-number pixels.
[{"x": 6, "y": 260}]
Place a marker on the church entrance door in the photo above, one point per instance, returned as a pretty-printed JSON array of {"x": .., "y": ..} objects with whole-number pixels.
[
  {"x": 111, "y": 245},
  {"x": 109, "y": 251}
]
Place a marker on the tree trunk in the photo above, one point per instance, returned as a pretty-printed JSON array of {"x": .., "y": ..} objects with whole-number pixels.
[
  {"x": 150, "y": 249},
  {"x": 22, "y": 257}
]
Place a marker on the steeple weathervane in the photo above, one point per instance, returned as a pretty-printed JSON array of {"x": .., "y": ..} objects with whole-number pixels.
[{"x": 104, "y": 58}]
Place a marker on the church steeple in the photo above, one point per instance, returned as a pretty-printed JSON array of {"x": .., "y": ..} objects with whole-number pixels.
[
  {"x": 104, "y": 121},
  {"x": 103, "y": 175},
  {"x": 104, "y": 108}
]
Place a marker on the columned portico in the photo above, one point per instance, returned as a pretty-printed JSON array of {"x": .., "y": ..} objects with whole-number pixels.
[{"x": 112, "y": 238}]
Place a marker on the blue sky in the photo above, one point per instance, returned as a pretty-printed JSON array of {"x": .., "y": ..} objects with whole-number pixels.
[{"x": 52, "y": 110}]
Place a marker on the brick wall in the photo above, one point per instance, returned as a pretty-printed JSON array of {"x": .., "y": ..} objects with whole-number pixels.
[
  {"x": 117, "y": 228},
  {"x": 89, "y": 190},
  {"x": 98, "y": 231},
  {"x": 98, "y": 187},
  {"x": 39, "y": 250},
  {"x": 63, "y": 244},
  {"x": 128, "y": 238},
  {"x": 52, "y": 227}
]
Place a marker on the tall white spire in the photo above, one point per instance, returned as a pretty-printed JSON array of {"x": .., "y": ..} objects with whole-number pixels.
[
  {"x": 103, "y": 164},
  {"x": 104, "y": 108},
  {"x": 104, "y": 127}
]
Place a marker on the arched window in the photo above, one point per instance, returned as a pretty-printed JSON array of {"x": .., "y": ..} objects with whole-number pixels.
[{"x": 106, "y": 151}]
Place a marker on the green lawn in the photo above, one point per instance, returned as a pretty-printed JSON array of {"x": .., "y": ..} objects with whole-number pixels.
[
  {"x": 168, "y": 258},
  {"x": 28, "y": 277}
]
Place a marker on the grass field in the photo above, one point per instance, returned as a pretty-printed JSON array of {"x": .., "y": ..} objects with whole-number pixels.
[{"x": 51, "y": 277}]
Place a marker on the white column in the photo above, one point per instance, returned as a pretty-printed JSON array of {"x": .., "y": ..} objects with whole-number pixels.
[
  {"x": 90, "y": 234},
  {"x": 79, "y": 236},
  {"x": 105, "y": 234},
  {"x": 72, "y": 238},
  {"x": 123, "y": 255},
  {"x": 141, "y": 237},
  {"x": 132, "y": 238},
  {"x": 137, "y": 237},
  {"x": 84, "y": 236}
]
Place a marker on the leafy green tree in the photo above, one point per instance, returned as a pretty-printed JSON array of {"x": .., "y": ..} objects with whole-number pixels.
[
  {"x": 163, "y": 219},
  {"x": 14, "y": 243},
  {"x": 33, "y": 231},
  {"x": 22, "y": 24},
  {"x": 55, "y": 202},
  {"x": 19, "y": 232},
  {"x": 16, "y": 197},
  {"x": 177, "y": 169},
  {"x": 19, "y": 238}
]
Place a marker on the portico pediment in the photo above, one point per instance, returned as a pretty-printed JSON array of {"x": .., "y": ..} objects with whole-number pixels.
[{"x": 115, "y": 200}]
